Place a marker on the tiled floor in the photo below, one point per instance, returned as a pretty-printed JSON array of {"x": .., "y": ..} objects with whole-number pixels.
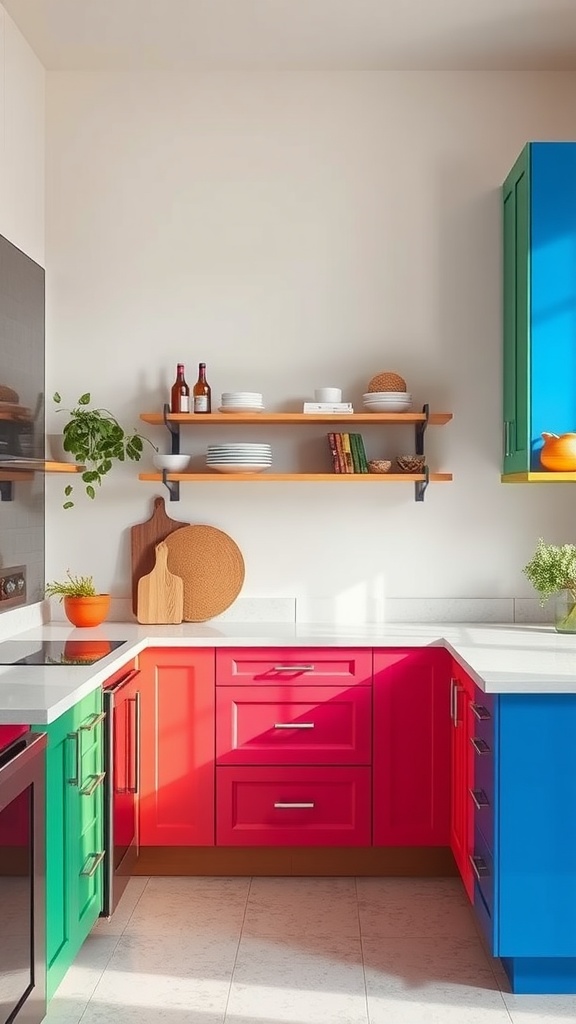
[{"x": 293, "y": 951}]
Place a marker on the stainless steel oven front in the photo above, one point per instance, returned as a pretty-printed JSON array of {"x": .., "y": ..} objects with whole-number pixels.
[{"x": 121, "y": 786}]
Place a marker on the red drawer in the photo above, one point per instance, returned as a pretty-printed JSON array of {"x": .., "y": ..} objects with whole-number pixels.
[
  {"x": 293, "y": 806},
  {"x": 308, "y": 666},
  {"x": 293, "y": 725}
]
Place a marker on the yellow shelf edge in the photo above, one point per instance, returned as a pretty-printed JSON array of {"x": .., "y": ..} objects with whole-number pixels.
[{"x": 538, "y": 478}]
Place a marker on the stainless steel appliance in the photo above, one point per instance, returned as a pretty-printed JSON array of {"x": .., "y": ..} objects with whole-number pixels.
[
  {"x": 121, "y": 785},
  {"x": 22, "y": 881}
]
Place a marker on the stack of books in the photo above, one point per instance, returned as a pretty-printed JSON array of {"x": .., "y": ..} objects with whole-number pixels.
[
  {"x": 328, "y": 407},
  {"x": 348, "y": 453}
]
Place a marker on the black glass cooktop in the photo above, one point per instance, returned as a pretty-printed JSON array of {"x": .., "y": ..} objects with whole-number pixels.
[{"x": 56, "y": 652}]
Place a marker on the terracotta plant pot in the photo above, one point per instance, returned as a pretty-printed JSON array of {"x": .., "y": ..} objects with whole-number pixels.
[
  {"x": 559, "y": 453},
  {"x": 87, "y": 611}
]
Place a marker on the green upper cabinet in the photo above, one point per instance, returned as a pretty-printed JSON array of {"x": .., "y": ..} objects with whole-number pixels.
[
  {"x": 539, "y": 221},
  {"x": 74, "y": 832}
]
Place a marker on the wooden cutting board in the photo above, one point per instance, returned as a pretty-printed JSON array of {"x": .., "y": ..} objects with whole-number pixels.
[
  {"x": 143, "y": 539},
  {"x": 160, "y": 593}
]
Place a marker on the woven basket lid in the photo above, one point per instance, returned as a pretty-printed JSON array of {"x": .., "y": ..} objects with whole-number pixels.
[
  {"x": 387, "y": 381},
  {"x": 211, "y": 566}
]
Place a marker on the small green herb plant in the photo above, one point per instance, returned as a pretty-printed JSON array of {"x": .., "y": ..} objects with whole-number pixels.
[
  {"x": 72, "y": 586},
  {"x": 95, "y": 438},
  {"x": 551, "y": 569}
]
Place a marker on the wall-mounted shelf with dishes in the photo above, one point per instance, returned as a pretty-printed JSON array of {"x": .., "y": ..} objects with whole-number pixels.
[{"x": 419, "y": 421}]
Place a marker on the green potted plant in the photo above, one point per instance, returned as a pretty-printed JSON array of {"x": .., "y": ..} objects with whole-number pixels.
[
  {"x": 95, "y": 439},
  {"x": 552, "y": 571},
  {"x": 83, "y": 605}
]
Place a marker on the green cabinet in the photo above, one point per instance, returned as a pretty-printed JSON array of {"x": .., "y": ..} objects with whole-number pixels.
[
  {"x": 539, "y": 306},
  {"x": 74, "y": 832}
]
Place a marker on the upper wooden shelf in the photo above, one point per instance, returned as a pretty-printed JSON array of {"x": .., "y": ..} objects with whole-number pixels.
[
  {"x": 437, "y": 419},
  {"x": 266, "y": 476}
]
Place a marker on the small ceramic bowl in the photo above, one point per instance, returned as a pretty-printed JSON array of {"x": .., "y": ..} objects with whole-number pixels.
[
  {"x": 379, "y": 466},
  {"x": 411, "y": 463},
  {"x": 172, "y": 463}
]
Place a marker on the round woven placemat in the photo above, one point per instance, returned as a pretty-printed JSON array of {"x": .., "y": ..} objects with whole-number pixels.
[
  {"x": 211, "y": 565},
  {"x": 387, "y": 381}
]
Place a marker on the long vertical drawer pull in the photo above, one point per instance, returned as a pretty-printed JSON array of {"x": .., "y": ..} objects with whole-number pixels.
[
  {"x": 480, "y": 799},
  {"x": 479, "y": 866},
  {"x": 294, "y": 668},
  {"x": 480, "y": 712},
  {"x": 94, "y": 721},
  {"x": 480, "y": 746},
  {"x": 97, "y": 859},
  {"x": 91, "y": 788},
  {"x": 293, "y": 725},
  {"x": 75, "y": 737},
  {"x": 284, "y": 807}
]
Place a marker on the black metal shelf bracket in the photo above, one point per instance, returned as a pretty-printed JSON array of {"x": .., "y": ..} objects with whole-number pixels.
[
  {"x": 421, "y": 485},
  {"x": 172, "y": 486},
  {"x": 421, "y": 429},
  {"x": 6, "y": 490},
  {"x": 174, "y": 429}
]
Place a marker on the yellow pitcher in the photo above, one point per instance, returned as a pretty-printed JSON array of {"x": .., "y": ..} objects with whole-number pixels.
[{"x": 559, "y": 453}]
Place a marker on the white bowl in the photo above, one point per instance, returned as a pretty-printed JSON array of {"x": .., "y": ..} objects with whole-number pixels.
[
  {"x": 386, "y": 394},
  {"x": 172, "y": 463}
]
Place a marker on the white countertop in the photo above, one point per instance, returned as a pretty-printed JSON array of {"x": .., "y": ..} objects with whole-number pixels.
[{"x": 500, "y": 658}]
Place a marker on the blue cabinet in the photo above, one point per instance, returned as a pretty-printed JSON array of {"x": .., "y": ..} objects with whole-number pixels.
[
  {"x": 539, "y": 226},
  {"x": 524, "y": 796}
]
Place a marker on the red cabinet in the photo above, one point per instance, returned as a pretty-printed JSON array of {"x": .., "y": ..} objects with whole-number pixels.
[
  {"x": 11, "y": 732},
  {"x": 177, "y": 781},
  {"x": 288, "y": 806},
  {"x": 462, "y": 780},
  {"x": 294, "y": 725},
  {"x": 411, "y": 747}
]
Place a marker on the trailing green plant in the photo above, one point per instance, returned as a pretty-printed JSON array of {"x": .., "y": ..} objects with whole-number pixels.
[
  {"x": 95, "y": 438},
  {"x": 73, "y": 586},
  {"x": 552, "y": 568}
]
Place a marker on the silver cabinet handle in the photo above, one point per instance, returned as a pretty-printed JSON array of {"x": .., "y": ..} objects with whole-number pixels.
[
  {"x": 480, "y": 746},
  {"x": 283, "y": 806},
  {"x": 94, "y": 721},
  {"x": 455, "y": 687},
  {"x": 294, "y": 668},
  {"x": 75, "y": 737},
  {"x": 137, "y": 740},
  {"x": 97, "y": 859},
  {"x": 91, "y": 788},
  {"x": 452, "y": 685},
  {"x": 480, "y": 799},
  {"x": 479, "y": 866},
  {"x": 480, "y": 712},
  {"x": 293, "y": 725},
  {"x": 507, "y": 437}
]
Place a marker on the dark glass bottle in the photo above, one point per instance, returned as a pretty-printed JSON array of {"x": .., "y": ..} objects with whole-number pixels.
[
  {"x": 180, "y": 393},
  {"x": 202, "y": 394}
]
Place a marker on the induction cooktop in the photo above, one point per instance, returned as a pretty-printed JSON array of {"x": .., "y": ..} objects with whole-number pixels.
[{"x": 56, "y": 652}]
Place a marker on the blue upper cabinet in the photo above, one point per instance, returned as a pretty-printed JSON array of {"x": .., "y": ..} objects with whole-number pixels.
[{"x": 539, "y": 221}]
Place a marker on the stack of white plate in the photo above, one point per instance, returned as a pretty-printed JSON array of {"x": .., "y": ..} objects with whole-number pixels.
[
  {"x": 387, "y": 401},
  {"x": 240, "y": 457},
  {"x": 241, "y": 401}
]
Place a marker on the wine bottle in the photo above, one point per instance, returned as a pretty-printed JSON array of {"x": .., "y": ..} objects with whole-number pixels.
[
  {"x": 202, "y": 393},
  {"x": 180, "y": 393}
]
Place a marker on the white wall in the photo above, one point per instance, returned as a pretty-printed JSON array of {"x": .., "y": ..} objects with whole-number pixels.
[
  {"x": 22, "y": 144},
  {"x": 296, "y": 230}
]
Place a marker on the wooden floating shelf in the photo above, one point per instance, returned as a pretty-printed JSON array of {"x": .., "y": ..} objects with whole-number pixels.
[
  {"x": 15, "y": 470},
  {"x": 310, "y": 477},
  {"x": 9, "y": 476},
  {"x": 538, "y": 478},
  {"x": 436, "y": 419}
]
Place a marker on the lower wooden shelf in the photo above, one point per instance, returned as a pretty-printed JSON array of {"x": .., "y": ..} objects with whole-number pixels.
[{"x": 323, "y": 477}]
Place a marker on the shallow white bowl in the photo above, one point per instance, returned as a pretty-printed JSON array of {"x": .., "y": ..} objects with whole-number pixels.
[
  {"x": 239, "y": 467},
  {"x": 388, "y": 407},
  {"x": 386, "y": 394},
  {"x": 172, "y": 463}
]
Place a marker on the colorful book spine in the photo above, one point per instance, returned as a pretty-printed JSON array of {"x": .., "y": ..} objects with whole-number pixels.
[
  {"x": 341, "y": 453},
  {"x": 347, "y": 453},
  {"x": 334, "y": 452},
  {"x": 355, "y": 455},
  {"x": 361, "y": 453}
]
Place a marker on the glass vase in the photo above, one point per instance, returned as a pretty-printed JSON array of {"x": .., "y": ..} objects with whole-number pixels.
[{"x": 565, "y": 611}]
